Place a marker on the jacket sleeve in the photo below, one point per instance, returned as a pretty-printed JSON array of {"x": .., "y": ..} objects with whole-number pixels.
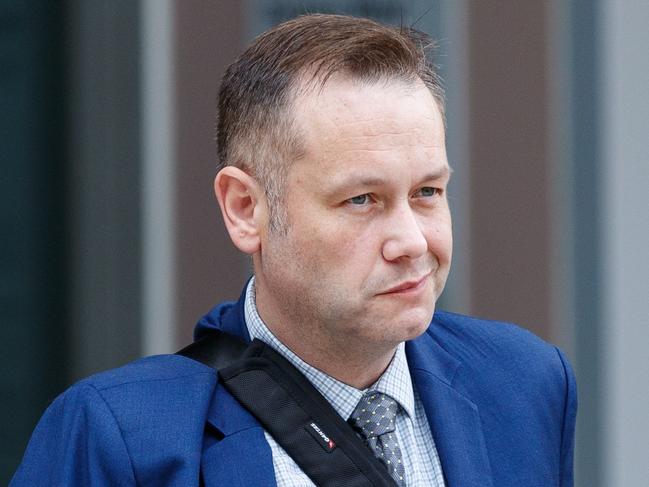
[
  {"x": 569, "y": 418},
  {"x": 77, "y": 442}
]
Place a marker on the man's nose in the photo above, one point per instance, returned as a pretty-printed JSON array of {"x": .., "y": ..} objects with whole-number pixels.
[{"x": 405, "y": 237}]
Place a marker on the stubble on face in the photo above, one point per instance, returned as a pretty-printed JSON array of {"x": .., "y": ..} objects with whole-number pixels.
[{"x": 320, "y": 282}]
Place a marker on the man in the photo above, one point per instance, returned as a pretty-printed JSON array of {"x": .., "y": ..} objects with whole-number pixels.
[{"x": 331, "y": 137}]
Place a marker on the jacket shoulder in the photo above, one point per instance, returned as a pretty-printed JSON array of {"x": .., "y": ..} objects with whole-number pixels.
[
  {"x": 476, "y": 339},
  {"x": 504, "y": 357},
  {"x": 162, "y": 386},
  {"x": 160, "y": 400},
  {"x": 156, "y": 368}
]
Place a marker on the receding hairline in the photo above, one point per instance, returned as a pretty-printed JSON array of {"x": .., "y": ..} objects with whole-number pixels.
[
  {"x": 309, "y": 83},
  {"x": 309, "y": 88}
]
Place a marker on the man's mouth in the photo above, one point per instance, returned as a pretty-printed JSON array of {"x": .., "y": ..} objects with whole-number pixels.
[{"x": 408, "y": 286}]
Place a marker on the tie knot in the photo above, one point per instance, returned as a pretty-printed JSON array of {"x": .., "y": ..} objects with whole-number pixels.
[{"x": 374, "y": 415}]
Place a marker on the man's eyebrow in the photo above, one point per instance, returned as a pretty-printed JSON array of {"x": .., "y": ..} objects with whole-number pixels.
[
  {"x": 362, "y": 180},
  {"x": 355, "y": 181},
  {"x": 444, "y": 171}
]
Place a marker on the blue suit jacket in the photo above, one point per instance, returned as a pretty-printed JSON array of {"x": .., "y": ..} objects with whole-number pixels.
[{"x": 500, "y": 402}]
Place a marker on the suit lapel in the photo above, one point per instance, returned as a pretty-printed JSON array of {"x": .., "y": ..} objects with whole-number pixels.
[
  {"x": 235, "y": 451},
  {"x": 453, "y": 418},
  {"x": 239, "y": 460}
]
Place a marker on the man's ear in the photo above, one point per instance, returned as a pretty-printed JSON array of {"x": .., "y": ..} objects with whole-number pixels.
[{"x": 243, "y": 206}]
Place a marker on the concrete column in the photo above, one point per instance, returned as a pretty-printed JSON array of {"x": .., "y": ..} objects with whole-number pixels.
[{"x": 625, "y": 220}]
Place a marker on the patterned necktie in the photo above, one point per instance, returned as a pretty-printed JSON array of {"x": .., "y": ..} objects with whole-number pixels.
[{"x": 373, "y": 419}]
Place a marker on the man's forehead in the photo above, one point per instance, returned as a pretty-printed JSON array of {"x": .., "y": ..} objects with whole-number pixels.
[{"x": 346, "y": 108}]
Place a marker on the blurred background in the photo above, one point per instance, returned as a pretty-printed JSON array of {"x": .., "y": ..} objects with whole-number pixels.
[{"x": 112, "y": 244}]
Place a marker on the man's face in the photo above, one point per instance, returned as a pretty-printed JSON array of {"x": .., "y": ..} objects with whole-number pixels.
[{"x": 368, "y": 246}]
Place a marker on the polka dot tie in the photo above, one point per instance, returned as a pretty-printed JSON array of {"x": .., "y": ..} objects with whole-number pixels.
[{"x": 373, "y": 420}]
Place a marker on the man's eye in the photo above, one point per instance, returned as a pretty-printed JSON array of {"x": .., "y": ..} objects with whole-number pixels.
[
  {"x": 361, "y": 199},
  {"x": 428, "y": 191}
]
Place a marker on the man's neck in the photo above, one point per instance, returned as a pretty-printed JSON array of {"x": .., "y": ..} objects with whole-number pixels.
[{"x": 349, "y": 360}]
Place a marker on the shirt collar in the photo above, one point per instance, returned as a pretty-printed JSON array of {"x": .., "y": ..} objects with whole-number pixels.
[{"x": 395, "y": 381}]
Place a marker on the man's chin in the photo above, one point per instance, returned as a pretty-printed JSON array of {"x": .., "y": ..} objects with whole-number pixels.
[
  {"x": 416, "y": 330},
  {"x": 412, "y": 324}
]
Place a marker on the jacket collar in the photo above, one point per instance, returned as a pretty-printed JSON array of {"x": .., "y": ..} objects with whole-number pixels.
[
  {"x": 453, "y": 417},
  {"x": 241, "y": 456},
  {"x": 225, "y": 413},
  {"x": 227, "y": 316}
]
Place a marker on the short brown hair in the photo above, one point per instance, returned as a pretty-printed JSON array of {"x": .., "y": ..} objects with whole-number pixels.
[{"x": 255, "y": 129}]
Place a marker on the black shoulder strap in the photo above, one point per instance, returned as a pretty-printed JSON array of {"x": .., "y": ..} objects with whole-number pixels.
[
  {"x": 292, "y": 410},
  {"x": 216, "y": 349}
]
